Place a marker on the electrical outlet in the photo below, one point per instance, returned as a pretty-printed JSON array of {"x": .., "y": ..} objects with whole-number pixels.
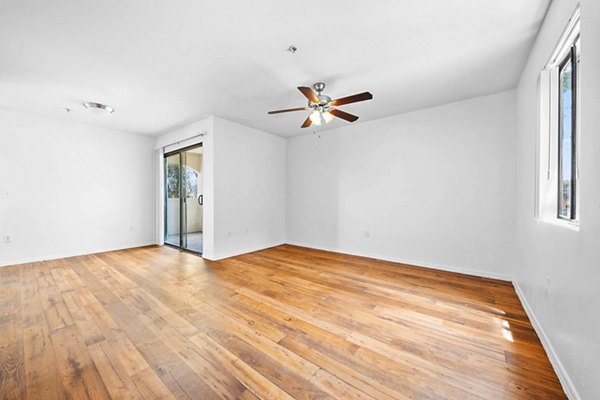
[
  {"x": 228, "y": 234},
  {"x": 7, "y": 239},
  {"x": 367, "y": 233}
]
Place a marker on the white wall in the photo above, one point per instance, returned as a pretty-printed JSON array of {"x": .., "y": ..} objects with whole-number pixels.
[
  {"x": 68, "y": 189},
  {"x": 432, "y": 187},
  {"x": 250, "y": 186},
  {"x": 244, "y": 186},
  {"x": 558, "y": 268}
]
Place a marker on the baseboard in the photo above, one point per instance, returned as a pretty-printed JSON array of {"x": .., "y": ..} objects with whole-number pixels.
[
  {"x": 560, "y": 370},
  {"x": 417, "y": 263},
  {"x": 240, "y": 252},
  {"x": 104, "y": 250},
  {"x": 9, "y": 263}
]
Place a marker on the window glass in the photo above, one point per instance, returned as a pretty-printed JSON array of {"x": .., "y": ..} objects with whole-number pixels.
[{"x": 566, "y": 144}]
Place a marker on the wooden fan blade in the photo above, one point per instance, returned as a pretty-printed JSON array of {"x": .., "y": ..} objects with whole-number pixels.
[
  {"x": 352, "y": 99},
  {"x": 306, "y": 123},
  {"x": 288, "y": 110},
  {"x": 343, "y": 115},
  {"x": 308, "y": 92}
]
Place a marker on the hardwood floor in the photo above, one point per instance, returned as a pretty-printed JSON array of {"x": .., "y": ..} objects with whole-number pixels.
[{"x": 281, "y": 323}]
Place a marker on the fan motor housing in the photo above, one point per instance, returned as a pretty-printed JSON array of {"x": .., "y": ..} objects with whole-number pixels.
[{"x": 323, "y": 99}]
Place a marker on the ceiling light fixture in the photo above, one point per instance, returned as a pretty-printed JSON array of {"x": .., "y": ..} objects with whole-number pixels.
[
  {"x": 292, "y": 49},
  {"x": 315, "y": 117},
  {"x": 98, "y": 107},
  {"x": 319, "y": 118}
]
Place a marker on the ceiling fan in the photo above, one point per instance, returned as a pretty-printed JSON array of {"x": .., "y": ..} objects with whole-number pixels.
[{"x": 323, "y": 108}]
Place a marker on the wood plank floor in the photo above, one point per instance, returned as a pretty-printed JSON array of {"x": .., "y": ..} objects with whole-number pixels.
[{"x": 286, "y": 322}]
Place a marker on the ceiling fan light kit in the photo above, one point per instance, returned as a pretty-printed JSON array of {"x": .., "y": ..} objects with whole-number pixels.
[
  {"x": 320, "y": 117},
  {"x": 323, "y": 107}
]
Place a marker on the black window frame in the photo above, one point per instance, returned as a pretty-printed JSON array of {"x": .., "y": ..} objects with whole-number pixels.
[{"x": 571, "y": 57}]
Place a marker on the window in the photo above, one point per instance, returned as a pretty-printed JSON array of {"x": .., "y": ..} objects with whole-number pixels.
[
  {"x": 557, "y": 165},
  {"x": 567, "y": 137}
]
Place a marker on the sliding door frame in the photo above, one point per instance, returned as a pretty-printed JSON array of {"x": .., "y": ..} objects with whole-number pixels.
[{"x": 181, "y": 197}]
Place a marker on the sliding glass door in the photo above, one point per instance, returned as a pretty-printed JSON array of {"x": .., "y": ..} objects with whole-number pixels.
[
  {"x": 173, "y": 199},
  {"x": 184, "y": 199}
]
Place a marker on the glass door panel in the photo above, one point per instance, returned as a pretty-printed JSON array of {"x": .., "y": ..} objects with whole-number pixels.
[
  {"x": 192, "y": 200},
  {"x": 185, "y": 192},
  {"x": 173, "y": 199}
]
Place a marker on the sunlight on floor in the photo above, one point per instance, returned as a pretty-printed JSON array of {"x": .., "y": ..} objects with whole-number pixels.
[{"x": 506, "y": 331}]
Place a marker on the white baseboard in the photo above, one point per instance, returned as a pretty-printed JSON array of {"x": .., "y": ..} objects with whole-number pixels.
[
  {"x": 560, "y": 370},
  {"x": 49, "y": 257},
  {"x": 218, "y": 257},
  {"x": 417, "y": 263}
]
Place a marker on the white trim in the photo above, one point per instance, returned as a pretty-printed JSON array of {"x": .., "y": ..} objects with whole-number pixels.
[
  {"x": 10, "y": 263},
  {"x": 416, "y": 263},
  {"x": 160, "y": 198},
  {"x": 182, "y": 144},
  {"x": 568, "y": 36},
  {"x": 219, "y": 257},
  {"x": 560, "y": 370}
]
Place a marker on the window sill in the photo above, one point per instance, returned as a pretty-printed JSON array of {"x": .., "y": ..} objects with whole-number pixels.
[{"x": 572, "y": 225}]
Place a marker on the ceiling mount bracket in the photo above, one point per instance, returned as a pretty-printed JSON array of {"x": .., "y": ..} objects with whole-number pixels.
[{"x": 319, "y": 87}]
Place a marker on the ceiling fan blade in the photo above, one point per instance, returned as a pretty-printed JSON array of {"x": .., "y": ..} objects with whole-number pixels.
[
  {"x": 308, "y": 92},
  {"x": 307, "y": 122},
  {"x": 288, "y": 110},
  {"x": 343, "y": 115},
  {"x": 352, "y": 99}
]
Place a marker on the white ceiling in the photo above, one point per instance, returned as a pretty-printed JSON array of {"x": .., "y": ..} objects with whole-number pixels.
[{"x": 163, "y": 63}]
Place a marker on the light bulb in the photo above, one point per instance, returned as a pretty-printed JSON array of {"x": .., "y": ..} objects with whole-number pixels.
[
  {"x": 327, "y": 116},
  {"x": 315, "y": 118}
]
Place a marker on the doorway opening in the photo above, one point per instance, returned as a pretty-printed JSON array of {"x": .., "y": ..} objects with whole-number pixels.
[{"x": 184, "y": 198}]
